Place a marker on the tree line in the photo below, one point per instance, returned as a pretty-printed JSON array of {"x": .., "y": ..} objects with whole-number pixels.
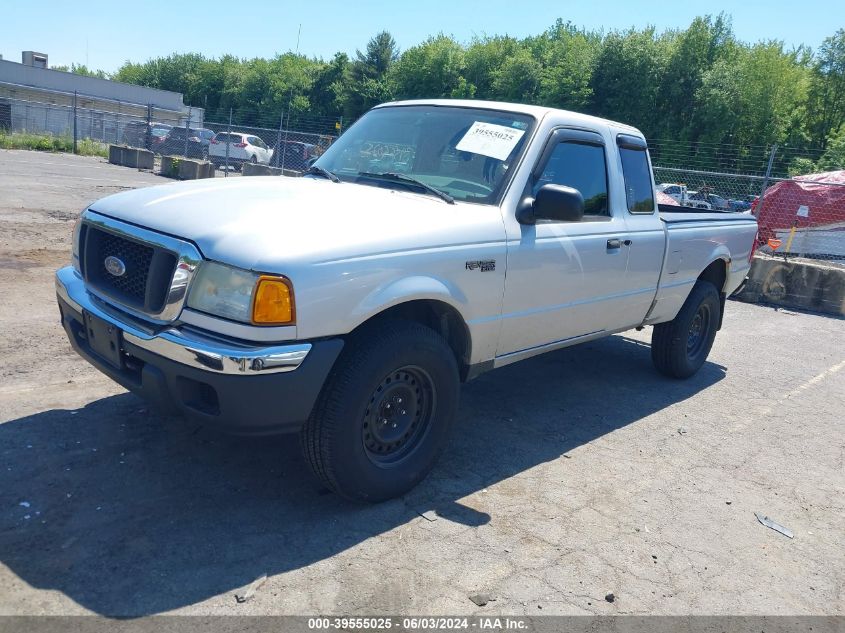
[{"x": 701, "y": 87}]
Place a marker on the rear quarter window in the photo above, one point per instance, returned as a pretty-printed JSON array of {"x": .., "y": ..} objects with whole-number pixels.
[{"x": 637, "y": 175}]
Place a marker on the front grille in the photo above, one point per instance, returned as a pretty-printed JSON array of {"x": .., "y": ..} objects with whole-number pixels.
[
  {"x": 136, "y": 257},
  {"x": 148, "y": 271}
]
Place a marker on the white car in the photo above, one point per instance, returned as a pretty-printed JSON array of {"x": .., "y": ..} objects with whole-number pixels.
[
  {"x": 242, "y": 148},
  {"x": 679, "y": 193}
]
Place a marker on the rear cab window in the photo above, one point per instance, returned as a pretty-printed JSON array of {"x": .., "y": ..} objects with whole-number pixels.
[{"x": 636, "y": 172}]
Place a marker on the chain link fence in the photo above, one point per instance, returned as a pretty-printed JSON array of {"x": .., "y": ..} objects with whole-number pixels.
[
  {"x": 71, "y": 123},
  {"x": 230, "y": 145},
  {"x": 798, "y": 216},
  {"x": 294, "y": 145}
]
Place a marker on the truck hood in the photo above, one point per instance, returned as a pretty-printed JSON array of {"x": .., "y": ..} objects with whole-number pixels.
[{"x": 264, "y": 223}]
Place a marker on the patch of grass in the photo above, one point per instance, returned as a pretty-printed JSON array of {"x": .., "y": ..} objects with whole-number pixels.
[
  {"x": 50, "y": 143},
  {"x": 88, "y": 147}
]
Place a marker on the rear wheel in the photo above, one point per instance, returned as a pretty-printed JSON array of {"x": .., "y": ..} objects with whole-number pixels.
[
  {"x": 680, "y": 347},
  {"x": 385, "y": 412}
]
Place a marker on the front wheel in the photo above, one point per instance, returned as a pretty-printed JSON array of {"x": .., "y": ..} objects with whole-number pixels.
[
  {"x": 680, "y": 347},
  {"x": 385, "y": 412}
]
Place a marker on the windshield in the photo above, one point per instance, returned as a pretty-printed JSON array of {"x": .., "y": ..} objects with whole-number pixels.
[{"x": 464, "y": 152}]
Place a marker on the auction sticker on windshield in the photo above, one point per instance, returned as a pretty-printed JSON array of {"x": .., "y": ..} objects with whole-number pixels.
[{"x": 489, "y": 139}]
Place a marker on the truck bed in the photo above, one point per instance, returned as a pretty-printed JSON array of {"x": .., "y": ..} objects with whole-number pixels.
[{"x": 694, "y": 238}]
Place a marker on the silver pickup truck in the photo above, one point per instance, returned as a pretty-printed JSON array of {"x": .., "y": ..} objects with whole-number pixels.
[{"x": 433, "y": 241}]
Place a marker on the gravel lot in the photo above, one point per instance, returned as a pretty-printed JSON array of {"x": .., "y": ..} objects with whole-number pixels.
[{"x": 570, "y": 476}]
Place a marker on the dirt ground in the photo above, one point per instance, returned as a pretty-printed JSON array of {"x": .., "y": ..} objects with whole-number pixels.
[{"x": 570, "y": 476}]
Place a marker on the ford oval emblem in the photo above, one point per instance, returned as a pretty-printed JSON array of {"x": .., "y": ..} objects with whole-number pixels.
[{"x": 115, "y": 266}]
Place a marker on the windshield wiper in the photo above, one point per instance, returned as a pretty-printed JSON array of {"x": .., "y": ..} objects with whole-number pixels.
[
  {"x": 320, "y": 171},
  {"x": 389, "y": 175}
]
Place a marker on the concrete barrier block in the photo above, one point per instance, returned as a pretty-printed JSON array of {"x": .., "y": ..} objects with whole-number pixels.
[
  {"x": 116, "y": 154},
  {"x": 130, "y": 157},
  {"x": 169, "y": 167},
  {"x": 188, "y": 169},
  {"x": 145, "y": 159},
  {"x": 250, "y": 169},
  {"x": 185, "y": 168},
  {"x": 805, "y": 284}
]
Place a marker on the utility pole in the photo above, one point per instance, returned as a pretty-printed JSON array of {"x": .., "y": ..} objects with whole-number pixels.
[
  {"x": 766, "y": 178},
  {"x": 290, "y": 101},
  {"x": 187, "y": 131},
  {"x": 74, "y": 123},
  {"x": 228, "y": 142}
]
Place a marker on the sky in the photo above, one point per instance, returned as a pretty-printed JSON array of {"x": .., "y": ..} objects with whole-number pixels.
[{"x": 99, "y": 34}]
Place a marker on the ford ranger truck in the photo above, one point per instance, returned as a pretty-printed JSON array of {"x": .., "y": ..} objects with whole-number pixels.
[{"x": 433, "y": 241}]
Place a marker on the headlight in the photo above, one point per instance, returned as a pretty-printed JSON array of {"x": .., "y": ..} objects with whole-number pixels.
[{"x": 242, "y": 295}]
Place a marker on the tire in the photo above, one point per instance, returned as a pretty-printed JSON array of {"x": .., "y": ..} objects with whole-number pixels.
[
  {"x": 253, "y": 159},
  {"x": 360, "y": 440},
  {"x": 680, "y": 347}
]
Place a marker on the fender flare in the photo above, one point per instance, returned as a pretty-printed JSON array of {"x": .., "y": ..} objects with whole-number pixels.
[{"x": 404, "y": 290}]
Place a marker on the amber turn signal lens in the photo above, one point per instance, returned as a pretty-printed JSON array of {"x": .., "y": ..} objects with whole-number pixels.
[{"x": 273, "y": 302}]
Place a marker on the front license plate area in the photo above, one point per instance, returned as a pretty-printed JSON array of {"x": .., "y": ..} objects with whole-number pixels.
[{"x": 104, "y": 339}]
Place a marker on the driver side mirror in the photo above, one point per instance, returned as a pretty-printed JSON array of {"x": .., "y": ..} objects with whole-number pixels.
[{"x": 552, "y": 202}]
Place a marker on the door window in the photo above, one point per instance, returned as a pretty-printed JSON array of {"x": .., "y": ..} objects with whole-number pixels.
[{"x": 580, "y": 166}]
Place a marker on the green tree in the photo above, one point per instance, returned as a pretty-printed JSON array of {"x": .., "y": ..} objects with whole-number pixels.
[
  {"x": 483, "y": 59},
  {"x": 330, "y": 86},
  {"x": 381, "y": 52},
  {"x": 568, "y": 58},
  {"x": 433, "y": 69},
  {"x": 369, "y": 75},
  {"x": 518, "y": 78},
  {"x": 627, "y": 76},
  {"x": 82, "y": 69},
  {"x": 758, "y": 97},
  {"x": 834, "y": 156},
  {"x": 693, "y": 52},
  {"x": 827, "y": 89}
]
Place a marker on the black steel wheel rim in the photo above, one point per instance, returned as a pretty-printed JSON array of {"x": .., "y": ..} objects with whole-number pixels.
[
  {"x": 698, "y": 331},
  {"x": 398, "y": 415}
]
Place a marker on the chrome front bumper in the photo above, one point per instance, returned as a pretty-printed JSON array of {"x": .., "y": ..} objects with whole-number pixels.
[{"x": 182, "y": 345}]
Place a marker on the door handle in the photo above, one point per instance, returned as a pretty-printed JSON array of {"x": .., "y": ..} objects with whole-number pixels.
[{"x": 614, "y": 243}]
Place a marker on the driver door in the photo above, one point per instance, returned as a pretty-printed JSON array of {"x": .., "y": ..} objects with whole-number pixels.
[{"x": 566, "y": 280}]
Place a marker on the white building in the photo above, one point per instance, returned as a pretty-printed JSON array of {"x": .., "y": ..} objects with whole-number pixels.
[{"x": 36, "y": 98}]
